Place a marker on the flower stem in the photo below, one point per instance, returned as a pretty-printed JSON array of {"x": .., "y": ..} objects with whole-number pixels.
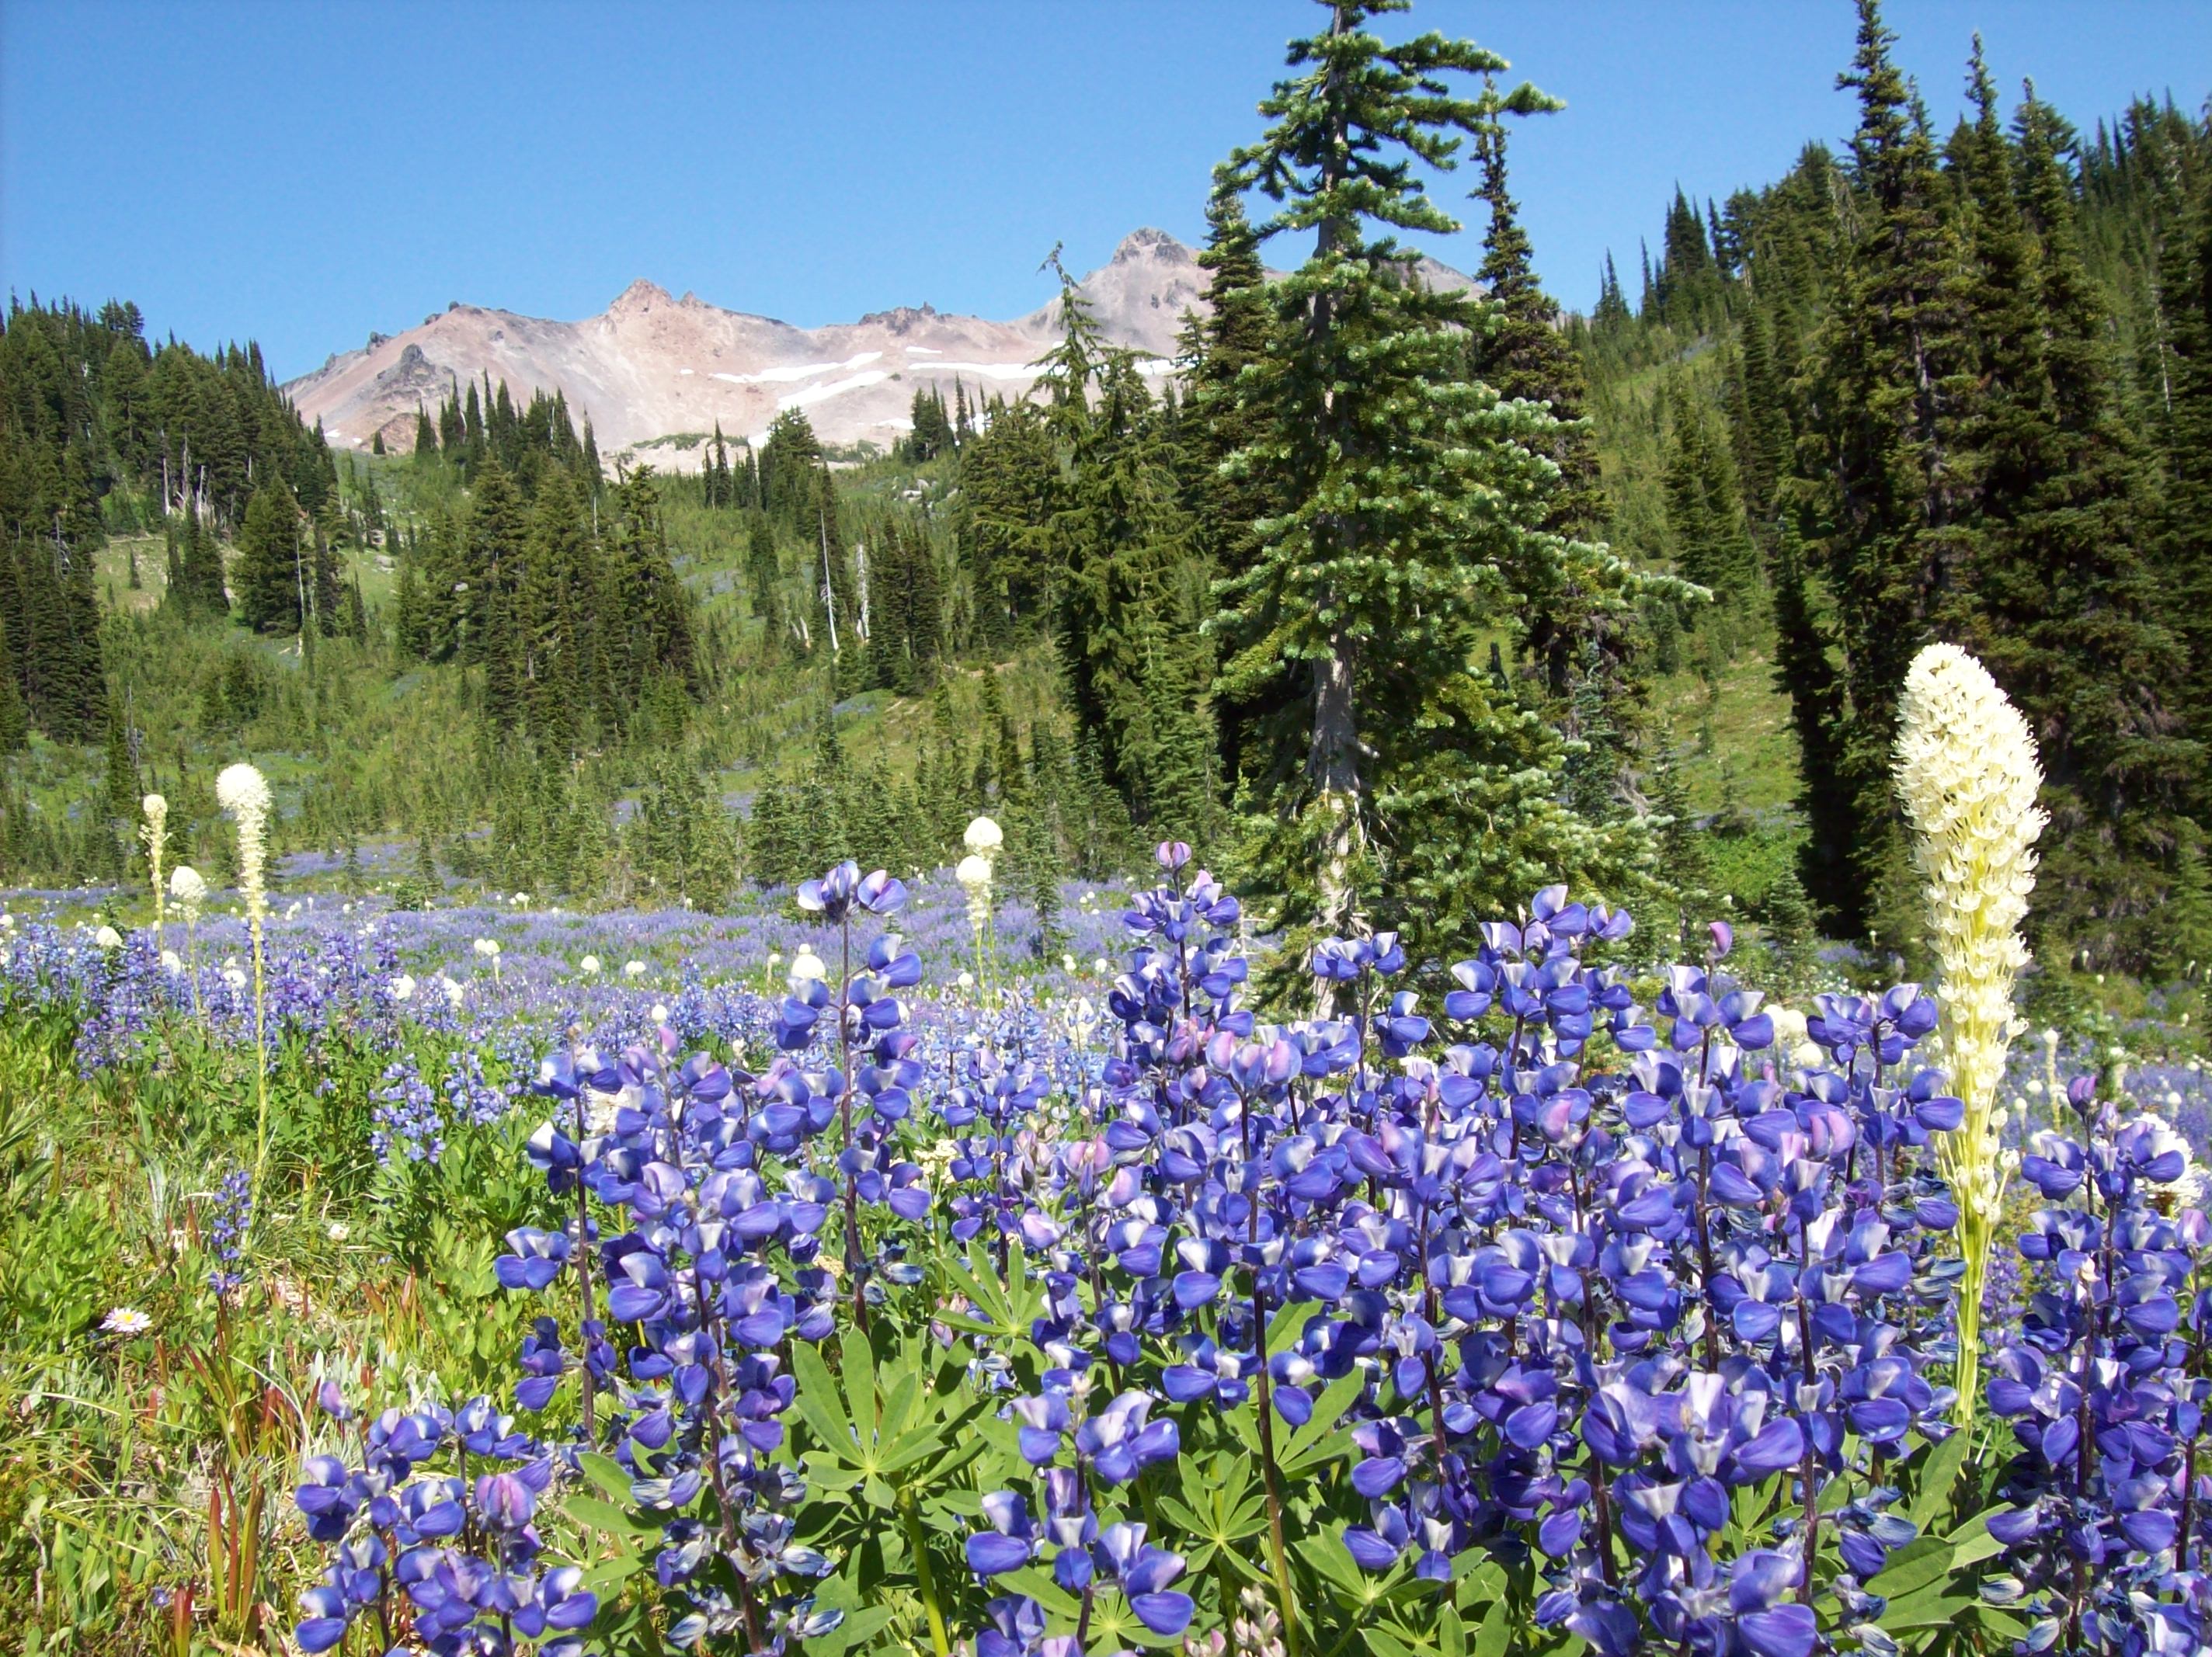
[{"x": 925, "y": 1578}]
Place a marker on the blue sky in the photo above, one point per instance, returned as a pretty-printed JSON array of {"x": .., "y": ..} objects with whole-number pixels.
[{"x": 306, "y": 174}]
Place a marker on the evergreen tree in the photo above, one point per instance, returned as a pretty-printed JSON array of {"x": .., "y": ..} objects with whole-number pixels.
[
  {"x": 327, "y": 592},
  {"x": 2186, "y": 537},
  {"x": 1792, "y": 935},
  {"x": 1706, "y": 525},
  {"x": 1407, "y": 788},
  {"x": 1231, "y": 488},
  {"x": 271, "y": 577},
  {"x": 1009, "y": 479},
  {"x": 1580, "y": 610},
  {"x": 551, "y": 598},
  {"x": 14, "y": 718},
  {"x": 932, "y": 432},
  {"x": 2056, "y": 597},
  {"x": 489, "y": 631},
  {"x": 1682, "y": 861},
  {"x": 1882, "y": 457}
]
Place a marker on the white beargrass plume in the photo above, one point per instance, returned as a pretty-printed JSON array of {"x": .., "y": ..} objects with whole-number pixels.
[
  {"x": 1967, "y": 777},
  {"x": 244, "y": 793},
  {"x": 984, "y": 838},
  {"x": 974, "y": 874},
  {"x": 191, "y": 892},
  {"x": 154, "y": 831}
]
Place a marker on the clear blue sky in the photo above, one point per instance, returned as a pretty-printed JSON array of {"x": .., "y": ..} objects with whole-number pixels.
[{"x": 303, "y": 174}]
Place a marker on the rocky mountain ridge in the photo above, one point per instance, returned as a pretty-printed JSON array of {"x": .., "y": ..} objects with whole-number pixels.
[{"x": 652, "y": 372}]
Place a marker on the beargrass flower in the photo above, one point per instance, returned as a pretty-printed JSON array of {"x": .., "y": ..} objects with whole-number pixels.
[
  {"x": 153, "y": 832},
  {"x": 243, "y": 792},
  {"x": 974, "y": 874},
  {"x": 1967, "y": 778}
]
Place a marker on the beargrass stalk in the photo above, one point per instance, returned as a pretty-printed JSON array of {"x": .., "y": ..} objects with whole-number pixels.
[
  {"x": 190, "y": 891},
  {"x": 243, "y": 792},
  {"x": 975, "y": 872},
  {"x": 154, "y": 832},
  {"x": 1967, "y": 777}
]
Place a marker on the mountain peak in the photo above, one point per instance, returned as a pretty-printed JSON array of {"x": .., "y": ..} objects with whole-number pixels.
[
  {"x": 641, "y": 296},
  {"x": 1146, "y": 243},
  {"x": 652, "y": 369}
]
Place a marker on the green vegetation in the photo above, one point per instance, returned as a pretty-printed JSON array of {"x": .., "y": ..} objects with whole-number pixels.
[{"x": 1935, "y": 386}]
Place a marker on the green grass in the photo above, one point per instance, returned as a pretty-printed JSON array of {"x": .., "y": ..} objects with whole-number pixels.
[{"x": 1732, "y": 739}]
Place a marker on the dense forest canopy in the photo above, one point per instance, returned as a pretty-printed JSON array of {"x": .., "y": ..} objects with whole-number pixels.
[{"x": 1392, "y": 599}]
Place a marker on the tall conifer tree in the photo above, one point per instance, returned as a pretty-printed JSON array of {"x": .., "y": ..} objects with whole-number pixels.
[
  {"x": 1410, "y": 523},
  {"x": 1881, "y": 453}
]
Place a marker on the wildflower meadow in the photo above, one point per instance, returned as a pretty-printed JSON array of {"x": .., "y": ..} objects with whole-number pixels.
[
  {"x": 839, "y": 1277},
  {"x": 1338, "y": 944}
]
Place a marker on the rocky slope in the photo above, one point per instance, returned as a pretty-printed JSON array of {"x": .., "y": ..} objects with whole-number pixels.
[
  {"x": 651, "y": 371},
  {"x": 654, "y": 373}
]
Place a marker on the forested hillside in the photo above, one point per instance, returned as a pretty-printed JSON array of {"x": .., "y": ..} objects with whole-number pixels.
[
  {"x": 1945, "y": 385},
  {"x": 1398, "y": 601}
]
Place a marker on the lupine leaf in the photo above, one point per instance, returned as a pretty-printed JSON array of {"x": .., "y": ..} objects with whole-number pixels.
[
  {"x": 1492, "y": 1639},
  {"x": 614, "y": 1519},
  {"x": 1938, "y": 1472},
  {"x": 607, "y": 1473}
]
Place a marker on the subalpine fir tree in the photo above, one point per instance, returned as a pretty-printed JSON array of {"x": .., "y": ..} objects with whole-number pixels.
[
  {"x": 1705, "y": 528},
  {"x": 14, "y": 718},
  {"x": 764, "y": 576},
  {"x": 1406, "y": 788},
  {"x": 2185, "y": 538},
  {"x": 1581, "y": 614},
  {"x": 199, "y": 556},
  {"x": 492, "y": 560},
  {"x": 552, "y": 620},
  {"x": 1612, "y": 309},
  {"x": 932, "y": 432},
  {"x": 769, "y": 853},
  {"x": 1230, "y": 489},
  {"x": 1524, "y": 354},
  {"x": 1138, "y": 666},
  {"x": 1792, "y": 936},
  {"x": 1009, "y": 493},
  {"x": 1882, "y": 457},
  {"x": 356, "y": 624},
  {"x": 327, "y": 591},
  {"x": 1761, "y": 431},
  {"x": 271, "y": 577},
  {"x": 2058, "y": 599}
]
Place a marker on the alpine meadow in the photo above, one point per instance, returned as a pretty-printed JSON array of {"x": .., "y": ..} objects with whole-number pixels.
[{"x": 1304, "y": 957}]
